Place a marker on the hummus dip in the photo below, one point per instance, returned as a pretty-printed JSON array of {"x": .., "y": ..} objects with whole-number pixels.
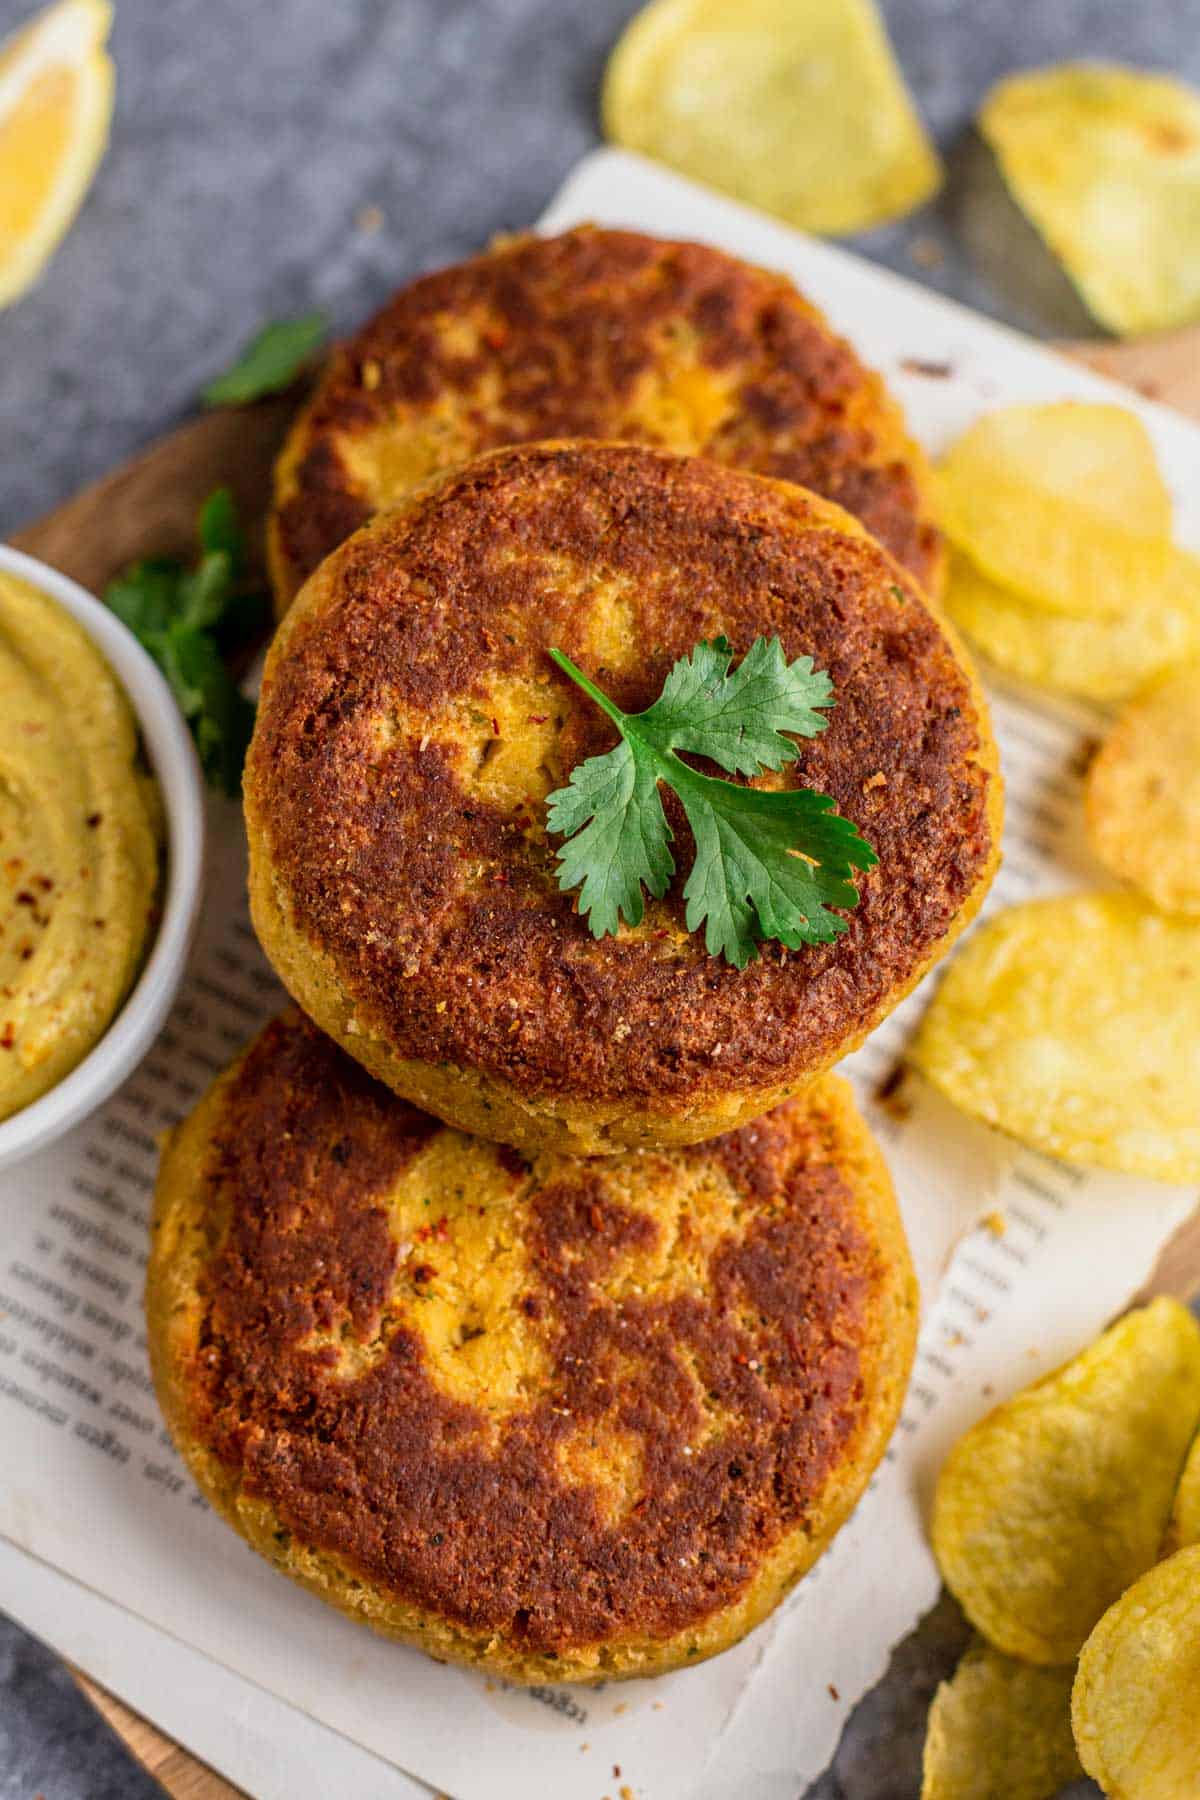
[{"x": 78, "y": 845}]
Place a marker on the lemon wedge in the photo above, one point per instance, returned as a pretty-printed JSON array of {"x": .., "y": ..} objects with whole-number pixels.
[{"x": 56, "y": 96}]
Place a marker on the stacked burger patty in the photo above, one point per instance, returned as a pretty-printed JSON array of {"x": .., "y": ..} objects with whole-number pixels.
[{"x": 536, "y": 1298}]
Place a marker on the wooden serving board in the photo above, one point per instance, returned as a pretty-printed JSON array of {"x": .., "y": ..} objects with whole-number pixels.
[{"x": 148, "y": 507}]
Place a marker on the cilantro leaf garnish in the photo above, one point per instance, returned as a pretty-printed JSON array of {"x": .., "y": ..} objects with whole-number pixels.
[
  {"x": 768, "y": 864},
  {"x": 188, "y": 619},
  {"x": 270, "y": 362}
]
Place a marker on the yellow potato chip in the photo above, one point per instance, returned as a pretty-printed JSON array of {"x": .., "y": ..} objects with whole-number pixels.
[
  {"x": 1143, "y": 794},
  {"x": 794, "y": 106},
  {"x": 1000, "y": 1728},
  {"x": 1136, "y": 1705},
  {"x": 1049, "y": 1507},
  {"x": 1074, "y": 1025},
  {"x": 1064, "y": 504},
  {"x": 1106, "y": 162},
  {"x": 1184, "y": 1528},
  {"x": 1088, "y": 453},
  {"x": 1106, "y": 660}
]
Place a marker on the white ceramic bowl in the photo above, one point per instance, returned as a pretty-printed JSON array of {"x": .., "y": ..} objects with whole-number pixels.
[{"x": 172, "y": 757}]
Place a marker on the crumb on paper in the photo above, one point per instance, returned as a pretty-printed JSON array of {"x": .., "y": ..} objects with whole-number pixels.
[
  {"x": 658, "y": 1706},
  {"x": 891, "y": 1081},
  {"x": 1082, "y": 761},
  {"x": 621, "y": 1707},
  {"x": 996, "y": 1223},
  {"x": 889, "y": 1094},
  {"x": 926, "y": 253},
  {"x": 833, "y": 1693},
  {"x": 919, "y": 365},
  {"x": 369, "y": 219}
]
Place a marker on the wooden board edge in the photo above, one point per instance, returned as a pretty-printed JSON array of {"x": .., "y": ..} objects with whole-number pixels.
[
  {"x": 179, "y": 1773},
  {"x": 148, "y": 506}
]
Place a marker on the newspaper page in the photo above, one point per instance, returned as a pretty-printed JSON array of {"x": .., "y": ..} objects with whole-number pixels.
[{"x": 1021, "y": 1261}]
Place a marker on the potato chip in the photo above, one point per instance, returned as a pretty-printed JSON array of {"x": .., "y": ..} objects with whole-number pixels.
[
  {"x": 1143, "y": 794},
  {"x": 1088, "y": 453},
  {"x": 795, "y": 106},
  {"x": 1064, "y": 504},
  {"x": 1106, "y": 162},
  {"x": 1184, "y": 1528},
  {"x": 1074, "y": 1025},
  {"x": 1136, "y": 1705},
  {"x": 1000, "y": 1728},
  {"x": 1106, "y": 660},
  {"x": 1049, "y": 1507}
]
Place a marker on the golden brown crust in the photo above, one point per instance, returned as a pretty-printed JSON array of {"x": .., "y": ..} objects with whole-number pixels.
[
  {"x": 411, "y": 725},
  {"x": 597, "y": 334},
  {"x": 568, "y": 1419}
]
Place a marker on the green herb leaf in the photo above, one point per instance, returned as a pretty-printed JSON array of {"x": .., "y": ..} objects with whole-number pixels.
[
  {"x": 145, "y": 596},
  {"x": 270, "y": 362},
  {"x": 186, "y": 618},
  {"x": 768, "y": 864},
  {"x": 617, "y": 835},
  {"x": 738, "y": 719},
  {"x": 204, "y": 591},
  {"x": 221, "y": 717},
  {"x": 219, "y": 531}
]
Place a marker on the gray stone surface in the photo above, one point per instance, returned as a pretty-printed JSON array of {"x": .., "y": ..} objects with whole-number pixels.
[
  {"x": 248, "y": 140},
  {"x": 52, "y": 1743}
]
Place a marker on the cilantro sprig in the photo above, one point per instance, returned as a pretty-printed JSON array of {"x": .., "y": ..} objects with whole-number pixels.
[
  {"x": 769, "y": 865},
  {"x": 189, "y": 620},
  {"x": 270, "y": 362}
]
